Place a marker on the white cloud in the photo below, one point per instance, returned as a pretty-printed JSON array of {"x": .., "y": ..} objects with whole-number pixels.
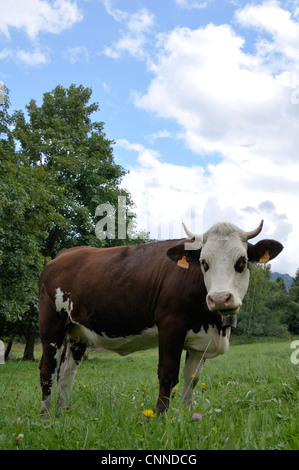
[
  {"x": 163, "y": 134},
  {"x": 36, "y": 16},
  {"x": 235, "y": 104},
  {"x": 167, "y": 195},
  {"x": 270, "y": 17},
  {"x": 106, "y": 87},
  {"x": 5, "y": 53},
  {"x": 77, "y": 54},
  {"x": 35, "y": 58},
  {"x": 164, "y": 194},
  {"x": 136, "y": 30},
  {"x": 225, "y": 100},
  {"x": 190, "y": 4},
  {"x": 32, "y": 58}
]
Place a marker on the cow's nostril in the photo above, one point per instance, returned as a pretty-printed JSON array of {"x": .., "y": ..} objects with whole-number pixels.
[
  {"x": 211, "y": 302},
  {"x": 229, "y": 300}
]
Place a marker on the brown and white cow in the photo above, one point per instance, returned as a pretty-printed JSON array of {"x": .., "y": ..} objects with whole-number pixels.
[{"x": 131, "y": 298}]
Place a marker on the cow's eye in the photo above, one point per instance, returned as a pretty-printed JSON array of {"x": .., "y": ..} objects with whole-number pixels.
[
  {"x": 205, "y": 265},
  {"x": 241, "y": 264}
]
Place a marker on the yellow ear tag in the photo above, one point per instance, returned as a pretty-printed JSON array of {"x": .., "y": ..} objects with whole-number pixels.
[
  {"x": 265, "y": 257},
  {"x": 183, "y": 263}
]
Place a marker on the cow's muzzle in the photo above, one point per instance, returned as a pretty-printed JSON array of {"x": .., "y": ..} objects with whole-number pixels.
[{"x": 222, "y": 302}]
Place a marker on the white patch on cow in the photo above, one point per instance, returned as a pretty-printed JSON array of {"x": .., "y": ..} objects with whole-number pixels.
[
  {"x": 61, "y": 304},
  {"x": 123, "y": 345},
  {"x": 67, "y": 374},
  {"x": 211, "y": 342},
  {"x": 46, "y": 404},
  {"x": 192, "y": 369}
]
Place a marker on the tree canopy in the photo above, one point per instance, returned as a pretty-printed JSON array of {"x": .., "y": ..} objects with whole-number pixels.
[
  {"x": 57, "y": 166},
  {"x": 267, "y": 307},
  {"x": 60, "y": 137}
]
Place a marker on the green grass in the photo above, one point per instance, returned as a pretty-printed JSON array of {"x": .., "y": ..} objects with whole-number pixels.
[{"x": 250, "y": 402}]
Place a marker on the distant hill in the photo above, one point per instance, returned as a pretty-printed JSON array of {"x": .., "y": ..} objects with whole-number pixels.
[{"x": 287, "y": 279}]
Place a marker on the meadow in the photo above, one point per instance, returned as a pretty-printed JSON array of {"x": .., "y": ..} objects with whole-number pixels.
[{"x": 248, "y": 400}]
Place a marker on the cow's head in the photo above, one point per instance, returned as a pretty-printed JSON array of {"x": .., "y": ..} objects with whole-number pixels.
[{"x": 223, "y": 253}]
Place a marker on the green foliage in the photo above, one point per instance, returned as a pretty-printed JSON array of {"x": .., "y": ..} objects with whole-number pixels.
[
  {"x": 23, "y": 214},
  {"x": 294, "y": 291},
  {"x": 57, "y": 166},
  {"x": 264, "y": 308},
  {"x": 250, "y": 402},
  {"x": 292, "y": 314},
  {"x": 77, "y": 159}
]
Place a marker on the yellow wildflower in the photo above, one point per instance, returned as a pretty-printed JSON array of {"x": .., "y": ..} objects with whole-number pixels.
[
  {"x": 173, "y": 391},
  {"x": 149, "y": 413},
  {"x": 142, "y": 405}
]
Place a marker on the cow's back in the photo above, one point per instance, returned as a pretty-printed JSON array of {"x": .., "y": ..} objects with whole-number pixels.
[{"x": 115, "y": 290}]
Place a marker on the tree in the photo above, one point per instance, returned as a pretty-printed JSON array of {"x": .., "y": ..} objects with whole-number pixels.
[
  {"x": 264, "y": 305},
  {"x": 277, "y": 304},
  {"x": 294, "y": 290},
  {"x": 24, "y": 210},
  {"x": 56, "y": 167},
  {"x": 78, "y": 162},
  {"x": 292, "y": 314}
]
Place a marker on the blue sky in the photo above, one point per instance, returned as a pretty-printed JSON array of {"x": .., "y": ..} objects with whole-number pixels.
[{"x": 201, "y": 97}]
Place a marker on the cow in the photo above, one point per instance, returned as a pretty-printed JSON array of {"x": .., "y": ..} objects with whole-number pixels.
[{"x": 175, "y": 294}]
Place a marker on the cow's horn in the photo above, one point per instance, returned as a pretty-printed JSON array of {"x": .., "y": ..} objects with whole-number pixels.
[
  {"x": 255, "y": 232},
  {"x": 197, "y": 237},
  {"x": 190, "y": 234},
  {"x": 196, "y": 245}
]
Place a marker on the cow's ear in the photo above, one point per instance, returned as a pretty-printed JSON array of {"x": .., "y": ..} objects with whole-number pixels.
[
  {"x": 182, "y": 256},
  {"x": 263, "y": 251}
]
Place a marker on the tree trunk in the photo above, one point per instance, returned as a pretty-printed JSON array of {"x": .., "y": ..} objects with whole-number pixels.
[
  {"x": 30, "y": 342},
  {"x": 8, "y": 348}
]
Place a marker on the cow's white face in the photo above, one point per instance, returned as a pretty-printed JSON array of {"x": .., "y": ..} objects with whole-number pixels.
[
  {"x": 224, "y": 254},
  {"x": 224, "y": 264}
]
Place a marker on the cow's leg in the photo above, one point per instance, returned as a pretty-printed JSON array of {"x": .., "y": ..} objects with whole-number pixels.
[
  {"x": 52, "y": 328},
  {"x": 171, "y": 342},
  {"x": 193, "y": 365},
  {"x": 48, "y": 367},
  {"x": 70, "y": 360}
]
